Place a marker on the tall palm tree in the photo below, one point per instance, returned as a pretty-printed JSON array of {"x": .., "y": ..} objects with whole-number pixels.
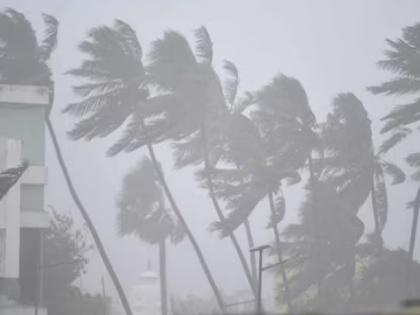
[
  {"x": 353, "y": 169},
  {"x": 402, "y": 58},
  {"x": 143, "y": 213},
  {"x": 350, "y": 173},
  {"x": 351, "y": 162},
  {"x": 235, "y": 142},
  {"x": 286, "y": 123},
  {"x": 23, "y": 60},
  {"x": 198, "y": 107},
  {"x": 269, "y": 148},
  {"x": 116, "y": 92}
]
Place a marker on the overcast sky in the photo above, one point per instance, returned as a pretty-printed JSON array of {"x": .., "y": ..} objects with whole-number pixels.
[{"x": 330, "y": 46}]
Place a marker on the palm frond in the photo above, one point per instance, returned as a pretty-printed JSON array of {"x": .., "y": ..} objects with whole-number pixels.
[
  {"x": 131, "y": 42},
  {"x": 398, "y": 86},
  {"x": 285, "y": 96},
  {"x": 397, "y": 136},
  {"x": 9, "y": 177},
  {"x": 240, "y": 208},
  {"x": 20, "y": 57},
  {"x": 50, "y": 38},
  {"x": 172, "y": 61},
  {"x": 402, "y": 59},
  {"x": 244, "y": 102},
  {"x": 391, "y": 169},
  {"x": 413, "y": 159},
  {"x": 402, "y": 115},
  {"x": 232, "y": 82},
  {"x": 204, "y": 45}
]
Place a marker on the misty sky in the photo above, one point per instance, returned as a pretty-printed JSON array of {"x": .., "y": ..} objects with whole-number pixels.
[{"x": 330, "y": 46}]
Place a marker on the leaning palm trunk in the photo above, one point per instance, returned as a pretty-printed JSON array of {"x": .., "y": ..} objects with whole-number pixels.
[
  {"x": 190, "y": 236},
  {"x": 416, "y": 209},
  {"x": 85, "y": 215},
  {"x": 220, "y": 215},
  {"x": 287, "y": 294},
  {"x": 251, "y": 244},
  {"x": 312, "y": 184},
  {"x": 163, "y": 278}
]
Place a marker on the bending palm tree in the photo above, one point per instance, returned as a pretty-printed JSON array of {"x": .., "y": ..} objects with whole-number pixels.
[
  {"x": 264, "y": 156},
  {"x": 116, "y": 92},
  {"x": 198, "y": 108},
  {"x": 403, "y": 59},
  {"x": 24, "y": 61},
  {"x": 143, "y": 213}
]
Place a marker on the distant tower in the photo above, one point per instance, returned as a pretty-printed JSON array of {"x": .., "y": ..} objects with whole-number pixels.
[{"x": 145, "y": 296}]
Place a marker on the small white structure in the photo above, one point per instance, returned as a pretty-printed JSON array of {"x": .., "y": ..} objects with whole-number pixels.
[
  {"x": 22, "y": 215},
  {"x": 145, "y": 296}
]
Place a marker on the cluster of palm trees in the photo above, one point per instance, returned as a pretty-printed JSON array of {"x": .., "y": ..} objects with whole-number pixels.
[{"x": 244, "y": 148}]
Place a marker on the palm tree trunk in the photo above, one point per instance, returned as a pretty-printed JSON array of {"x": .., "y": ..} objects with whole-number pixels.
[
  {"x": 190, "y": 236},
  {"x": 312, "y": 183},
  {"x": 378, "y": 232},
  {"x": 85, "y": 215},
  {"x": 374, "y": 209},
  {"x": 416, "y": 209},
  {"x": 163, "y": 279},
  {"x": 252, "y": 258},
  {"x": 287, "y": 294},
  {"x": 220, "y": 214},
  {"x": 251, "y": 244}
]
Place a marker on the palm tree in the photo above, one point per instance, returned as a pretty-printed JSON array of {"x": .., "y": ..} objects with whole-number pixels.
[
  {"x": 25, "y": 61},
  {"x": 350, "y": 173},
  {"x": 236, "y": 143},
  {"x": 198, "y": 108},
  {"x": 269, "y": 148},
  {"x": 143, "y": 213},
  {"x": 403, "y": 59},
  {"x": 350, "y": 161},
  {"x": 352, "y": 167},
  {"x": 286, "y": 122},
  {"x": 116, "y": 92}
]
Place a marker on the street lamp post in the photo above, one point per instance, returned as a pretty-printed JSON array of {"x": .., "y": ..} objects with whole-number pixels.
[
  {"x": 260, "y": 250},
  {"x": 261, "y": 268}
]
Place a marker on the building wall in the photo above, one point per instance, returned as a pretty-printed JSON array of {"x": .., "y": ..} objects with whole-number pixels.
[
  {"x": 22, "y": 136},
  {"x": 10, "y": 214},
  {"x": 25, "y": 123}
]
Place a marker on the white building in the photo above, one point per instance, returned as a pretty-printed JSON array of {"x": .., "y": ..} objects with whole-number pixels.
[
  {"x": 145, "y": 296},
  {"x": 22, "y": 217}
]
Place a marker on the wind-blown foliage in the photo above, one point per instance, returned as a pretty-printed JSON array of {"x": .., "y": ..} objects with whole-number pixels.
[
  {"x": 117, "y": 95},
  {"x": 402, "y": 58},
  {"x": 22, "y": 58},
  {"x": 9, "y": 177},
  {"x": 142, "y": 207},
  {"x": 144, "y": 214},
  {"x": 350, "y": 172}
]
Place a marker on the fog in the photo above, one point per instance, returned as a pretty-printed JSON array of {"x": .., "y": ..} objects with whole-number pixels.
[{"x": 328, "y": 47}]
